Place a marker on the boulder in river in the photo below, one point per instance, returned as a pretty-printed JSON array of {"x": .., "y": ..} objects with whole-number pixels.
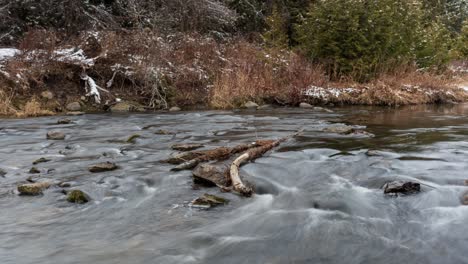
[
  {"x": 399, "y": 187},
  {"x": 250, "y": 105},
  {"x": 41, "y": 160},
  {"x": 347, "y": 130},
  {"x": 64, "y": 121},
  {"x": 33, "y": 189},
  {"x": 77, "y": 196},
  {"x": 55, "y": 135},
  {"x": 163, "y": 132},
  {"x": 211, "y": 175},
  {"x": 102, "y": 167},
  {"x": 74, "y": 106},
  {"x": 2, "y": 173},
  {"x": 186, "y": 147},
  {"x": 208, "y": 200}
]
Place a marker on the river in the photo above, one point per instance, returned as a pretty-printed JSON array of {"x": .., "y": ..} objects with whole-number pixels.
[{"x": 318, "y": 200}]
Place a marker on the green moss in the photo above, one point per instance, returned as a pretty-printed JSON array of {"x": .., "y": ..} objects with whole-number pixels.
[
  {"x": 77, "y": 196},
  {"x": 132, "y": 138}
]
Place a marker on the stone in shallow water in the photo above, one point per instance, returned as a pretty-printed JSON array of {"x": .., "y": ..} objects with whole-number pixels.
[
  {"x": 186, "y": 147},
  {"x": 163, "y": 132},
  {"x": 41, "y": 160},
  {"x": 305, "y": 105},
  {"x": 399, "y": 187},
  {"x": 102, "y": 167},
  {"x": 75, "y": 113},
  {"x": 211, "y": 175},
  {"x": 64, "y": 121},
  {"x": 208, "y": 201},
  {"x": 33, "y": 189},
  {"x": 55, "y": 135},
  {"x": 77, "y": 196},
  {"x": 75, "y": 106},
  {"x": 34, "y": 170},
  {"x": 175, "y": 109},
  {"x": 132, "y": 138}
]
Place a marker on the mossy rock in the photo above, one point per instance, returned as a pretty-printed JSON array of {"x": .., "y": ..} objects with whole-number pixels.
[
  {"x": 33, "y": 189},
  {"x": 41, "y": 160},
  {"x": 208, "y": 201},
  {"x": 77, "y": 196}
]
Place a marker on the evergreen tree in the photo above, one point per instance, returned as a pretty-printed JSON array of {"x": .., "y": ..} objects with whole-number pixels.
[{"x": 276, "y": 36}]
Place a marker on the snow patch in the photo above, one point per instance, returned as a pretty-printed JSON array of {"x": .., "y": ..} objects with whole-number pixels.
[
  {"x": 325, "y": 93},
  {"x": 7, "y": 53}
]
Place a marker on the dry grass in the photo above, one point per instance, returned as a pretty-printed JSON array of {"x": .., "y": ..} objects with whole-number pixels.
[
  {"x": 6, "y": 105},
  {"x": 33, "y": 109}
]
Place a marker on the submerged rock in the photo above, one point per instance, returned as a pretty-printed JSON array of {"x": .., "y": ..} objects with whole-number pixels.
[
  {"x": 211, "y": 175},
  {"x": 399, "y": 187},
  {"x": 163, "y": 132},
  {"x": 55, "y": 135},
  {"x": 2, "y": 173},
  {"x": 41, "y": 160},
  {"x": 347, "y": 130},
  {"x": 132, "y": 138},
  {"x": 77, "y": 196},
  {"x": 34, "y": 170},
  {"x": 102, "y": 167},
  {"x": 33, "y": 189},
  {"x": 64, "y": 121},
  {"x": 209, "y": 200},
  {"x": 250, "y": 105},
  {"x": 186, "y": 147},
  {"x": 305, "y": 105},
  {"x": 75, "y": 106}
]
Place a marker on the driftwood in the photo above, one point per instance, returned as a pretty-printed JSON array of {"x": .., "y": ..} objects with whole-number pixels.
[
  {"x": 222, "y": 153},
  {"x": 224, "y": 173}
]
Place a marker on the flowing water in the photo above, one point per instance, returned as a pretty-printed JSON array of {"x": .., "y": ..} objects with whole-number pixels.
[{"x": 319, "y": 196}]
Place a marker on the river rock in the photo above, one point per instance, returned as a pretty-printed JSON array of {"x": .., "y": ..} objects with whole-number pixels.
[
  {"x": 47, "y": 95},
  {"x": 33, "y": 189},
  {"x": 64, "y": 121},
  {"x": 55, "y": 135},
  {"x": 208, "y": 200},
  {"x": 317, "y": 108},
  {"x": 305, "y": 105},
  {"x": 175, "y": 109},
  {"x": 77, "y": 196},
  {"x": 399, "y": 187},
  {"x": 34, "y": 170},
  {"x": 250, "y": 105},
  {"x": 186, "y": 147},
  {"x": 180, "y": 158},
  {"x": 339, "y": 129},
  {"x": 73, "y": 107},
  {"x": 41, "y": 160},
  {"x": 102, "y": 167},
  {"x": 211, "y": 175},
  {"x": 127, "y": 106},
  {"x": 132, "y": 138},
  {"x": 2, "y": 173}
]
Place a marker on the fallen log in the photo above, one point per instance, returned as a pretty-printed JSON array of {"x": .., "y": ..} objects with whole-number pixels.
[{"x": 221, "y": 153}]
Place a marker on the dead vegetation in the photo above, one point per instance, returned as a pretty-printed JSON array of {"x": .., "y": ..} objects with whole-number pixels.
[{"x": 190, "y": 70}]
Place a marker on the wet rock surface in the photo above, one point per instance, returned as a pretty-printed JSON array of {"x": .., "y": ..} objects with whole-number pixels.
[
  {"x": 78, "y": 197},
  {"x": 250, "y": 105},
  {"x": 208, "y": 200},
  {"x": 55, "y": 135},
  {"x": 33, "y": 189},
  {"x": 64, "y": 121},
  {"x": 404, "y": 188},
  {"x": 73, "y": 107},
  {"x": 186, "y": 147},
  {"x": 102, "y": 167}
]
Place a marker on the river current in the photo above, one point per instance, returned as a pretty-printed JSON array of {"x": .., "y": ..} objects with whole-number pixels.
[{"x": 318, "y": 196}]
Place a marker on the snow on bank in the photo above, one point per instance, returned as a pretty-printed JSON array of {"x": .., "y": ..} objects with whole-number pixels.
[
  {"x": 327, "y": 93},
  {"x": 6, "y": 53}
]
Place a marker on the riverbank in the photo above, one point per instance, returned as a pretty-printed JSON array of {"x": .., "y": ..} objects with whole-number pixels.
[{"x": 150, "y": 72}]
